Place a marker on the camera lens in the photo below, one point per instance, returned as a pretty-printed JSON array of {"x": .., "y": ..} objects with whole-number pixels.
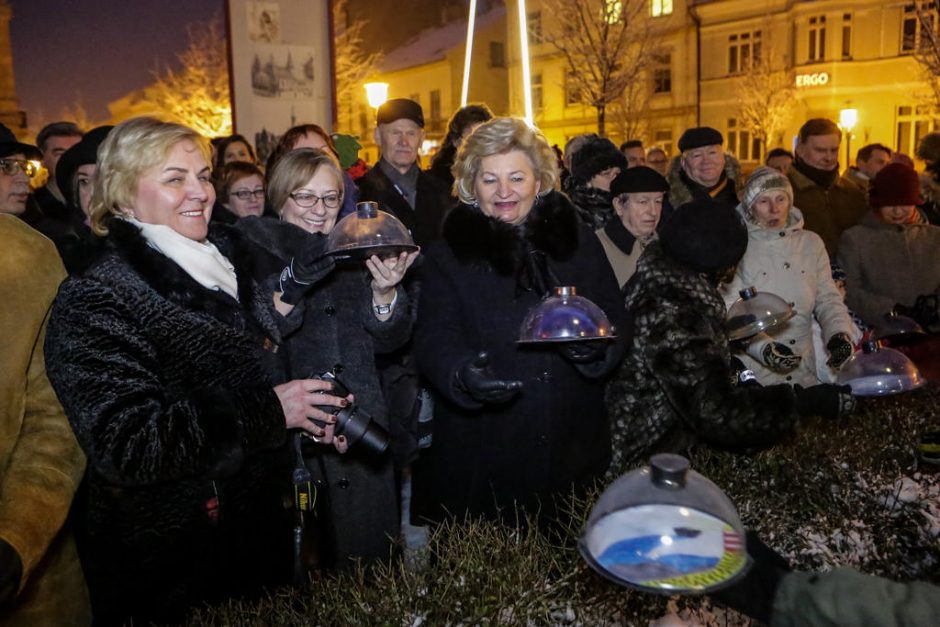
[{"x": 359, "y": 429}]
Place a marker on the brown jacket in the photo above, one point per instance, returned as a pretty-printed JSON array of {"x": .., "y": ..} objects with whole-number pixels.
[
  {"x": 41, "y": 463},
  {"x": 827, "y": 212}
]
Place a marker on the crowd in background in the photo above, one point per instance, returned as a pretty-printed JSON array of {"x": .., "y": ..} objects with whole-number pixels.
[{"x": 191, "y": 364}]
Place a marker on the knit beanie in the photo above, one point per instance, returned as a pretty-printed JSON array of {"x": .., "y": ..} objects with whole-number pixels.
[
  {"x": 764, "y": 179},
  {"x": 595, "y": 156},
  {"x": 895, "y": 185},
  {"x": 704, "y": 235}
]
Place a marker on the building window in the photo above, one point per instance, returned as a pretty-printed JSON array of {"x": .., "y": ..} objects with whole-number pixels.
[
  {"x": 613, "y": 11},
  {"x": 660, "y": 7},
  {"x": 572, "y": 92},
  {"x": 817, "y": 38},
  {"x": 662, "y": 74},
  {"x": 743, "y": 51},
  {"x": 536, "y": 92},
  {"x": 534, "y": 26},
  {"x": 846, "y": 35},
  {"x": 913, "y": 123},
  {"x": 741, "y": 143},
  {"x": 436, "y": 105},
  {"x": 497, "y": 54},
  {"x": 663, "y": 139},
  {"x": 915, "y": 22}
]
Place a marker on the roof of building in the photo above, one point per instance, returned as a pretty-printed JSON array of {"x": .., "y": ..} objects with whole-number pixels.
[{"x": 433, "y": 44}]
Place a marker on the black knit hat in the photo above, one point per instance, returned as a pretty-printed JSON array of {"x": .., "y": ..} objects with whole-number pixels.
[
  {"x": 637, "y": 180},
  {"x": 9, "y": 145},
  {"x": 82, "y": 153},
  {"x": 400, "y": 108},
  {"x": 704, "y": 236},
  {"x": 595, "y": 156},
  {"x": 700, "y": 136}
]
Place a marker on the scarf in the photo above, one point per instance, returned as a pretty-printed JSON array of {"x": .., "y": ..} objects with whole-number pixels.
[
  {"x": 200, "y": 260},
  {"x": 823, "y": 178}
]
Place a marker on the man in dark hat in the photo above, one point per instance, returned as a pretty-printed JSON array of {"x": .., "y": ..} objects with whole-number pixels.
[
  {"x": 702, "y": 170},
  {"x": 830, "y": 204},
  {"x": 593, "y": 167},
  {"x": 15, "y": 172},
  {"x": 396, "y": 182}
]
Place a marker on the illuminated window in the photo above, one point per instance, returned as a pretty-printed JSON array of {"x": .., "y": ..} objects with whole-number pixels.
[
  {"x": 662, "y": 73},
  {"x": 741, "y": 143},
  {"x": 537, "y": 92},
  {"x": 436, "y": 105},
  {"x": 663, "y": 139},
  {"x": 572, "y": 92},
  {"x": 660, "y": 7},
  {"x": 743, "y": 51},
  {"x": 533, "y": 23},
  {"x": 847, "y": 36},
  {"x": 817, "y": 38},
  {"x": 913, "y": 123},
  {"x": 613, "y": 11},
  {"x": 914, "y": 23},
  {"x": 497, "y": 54}
]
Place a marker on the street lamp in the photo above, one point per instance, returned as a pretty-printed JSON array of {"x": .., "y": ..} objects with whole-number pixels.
[
  {"x": 848, "y": 118},
  {"x": 376, "y": 94}
]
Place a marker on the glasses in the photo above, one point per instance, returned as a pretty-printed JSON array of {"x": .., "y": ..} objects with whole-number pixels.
[
  {"x": 308, "y": 200},
  {"x": 245, "y": 194},
  {"x": 12, "y": 166}
]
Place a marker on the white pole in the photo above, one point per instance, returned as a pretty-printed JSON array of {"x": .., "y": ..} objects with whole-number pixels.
[
  {"x": 526, "y": 78},
  {"x": 469, "y": 51}
]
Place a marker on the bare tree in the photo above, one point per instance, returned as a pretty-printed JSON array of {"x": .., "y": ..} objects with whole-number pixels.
[
  {"x": 607, "y": 46},
  {"x": 766, "y": 96},
  {"x": 927, "y": 46},
  {"x": 631, "y": 110},
  {"x": 353, "y": 64},
  {"x": 197, "y": 94}
]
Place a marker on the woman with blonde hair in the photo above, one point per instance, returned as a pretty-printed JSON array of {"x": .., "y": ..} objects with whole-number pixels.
[
  {"x": 513, "y": 426},
  {"x": 156, "y": 354}
]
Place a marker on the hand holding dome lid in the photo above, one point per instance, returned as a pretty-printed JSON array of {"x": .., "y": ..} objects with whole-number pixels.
[
  {"x": 755, "y": 313},
  {"x": 565, "y": 317},
  {"x": 368, "y": 232},
  {"x": 879, "y": 371}
]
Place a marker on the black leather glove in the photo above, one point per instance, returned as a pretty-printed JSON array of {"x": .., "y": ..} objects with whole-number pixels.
[
  {"x": 476, "y": 379},
  {"x": 825, "y": 399},
  {"x": 11, "y": 571},
  {"x": 306, "y": 268},
  {"x": 740, "y": 375},
  {"x": 779, "y": 358},
  {"x": 754, "y": 594},
  {"x": 840, "y": 349},
  {"x": 583, "y": 352}
]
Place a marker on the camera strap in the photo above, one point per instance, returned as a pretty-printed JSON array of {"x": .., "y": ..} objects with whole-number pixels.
[{"x": 305, "y": 490}]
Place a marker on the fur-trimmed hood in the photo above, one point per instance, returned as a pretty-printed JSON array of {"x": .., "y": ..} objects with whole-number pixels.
[
  {"x": 550, "y": 228},
  {"x": 679, "y": 192}
]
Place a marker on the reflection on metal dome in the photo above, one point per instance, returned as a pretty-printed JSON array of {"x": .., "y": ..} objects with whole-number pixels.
[
  {"x": 665, "y": 528},
  {"x": 899, "y": 330},
  {"x": 368, "y": 232},
  {"x": 878, "y": 371},
  {"x": 565, "y": 317},
  {"x": 755, "y": 312}
]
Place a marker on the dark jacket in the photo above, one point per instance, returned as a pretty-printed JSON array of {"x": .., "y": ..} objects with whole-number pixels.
[
  {"x": 432, "y": 202},
  {"x": 676, "y": 385},
  {"x": 162, "y": 381},
  {"x": 827, "y": 211},
  {"x": 476, "y": 290},
  {"x": 335, "y": 326},
  {"x": 682, "y": 189},
  {"x": 594, "y": 205}
]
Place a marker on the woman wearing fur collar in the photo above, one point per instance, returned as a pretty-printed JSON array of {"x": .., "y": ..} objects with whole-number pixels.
[
  {"x": 156, "y": 355},
  {"x": 514, "y": 427}
]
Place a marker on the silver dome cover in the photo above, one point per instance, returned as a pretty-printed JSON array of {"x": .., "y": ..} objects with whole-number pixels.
[
  {"x": 879, "y": 371},
  {"x": 756, "y": 312},
  {"x": 368, "y": 232},
  {"x": 565, "y": 317}
]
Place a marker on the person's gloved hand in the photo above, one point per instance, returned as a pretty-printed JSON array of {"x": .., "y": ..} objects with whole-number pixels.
[
  {"x": 840, "y": 349},
  {"x": 779, "y": 358},
  {"x": 754, "y": 594},
  {"x": 306, "y": 268},
  {"x": 476, "y": 378},
  {"x": 825, "y": 399},
  {"x": 583, "y": 352},
  {"x": 741, "y": 375},
  {"x": 11, "y": 571}
]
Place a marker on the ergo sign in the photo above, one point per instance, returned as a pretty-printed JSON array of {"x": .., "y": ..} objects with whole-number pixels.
[{"x": 812, "y": 80}]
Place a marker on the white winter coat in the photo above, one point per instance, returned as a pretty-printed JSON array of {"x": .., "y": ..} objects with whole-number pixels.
[{"x": 793, "y": 264}]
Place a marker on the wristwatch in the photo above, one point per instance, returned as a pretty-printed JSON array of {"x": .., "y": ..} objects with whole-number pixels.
[{"x": 382, "y": 310}]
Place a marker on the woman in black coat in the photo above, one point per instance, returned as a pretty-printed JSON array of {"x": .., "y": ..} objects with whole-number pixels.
[
  {"x": 336, "y": 319},
  {"x": 513, "y": 426},
  {"x": 156, "y": 354}
]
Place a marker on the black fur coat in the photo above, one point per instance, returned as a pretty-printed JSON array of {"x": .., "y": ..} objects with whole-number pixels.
[
  {"x": 676, "y": 385},
  {"x": 162, "y": 382},
  {"x": 477, "y": 286}
]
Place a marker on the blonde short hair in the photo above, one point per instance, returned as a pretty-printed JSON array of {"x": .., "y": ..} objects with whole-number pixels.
[
  {"x": 131, "y": 149},
  {"x": 499, "y": 136},
  {"x": 294, "y": 169}
]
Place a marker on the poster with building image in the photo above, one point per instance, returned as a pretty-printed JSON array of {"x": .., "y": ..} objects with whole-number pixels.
[{"x": 281, "y": 65}]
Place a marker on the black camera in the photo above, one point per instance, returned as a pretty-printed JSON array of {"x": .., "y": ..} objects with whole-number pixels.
[{"x": 352, "y": 421}]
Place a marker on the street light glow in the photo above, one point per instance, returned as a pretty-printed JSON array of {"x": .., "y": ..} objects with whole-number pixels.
[
  {"x": 526, "y": 77},
  {"x": 848, "y": 118},
  {"x": 377, "y": 94},
  {"x": 469, "y": 50}
]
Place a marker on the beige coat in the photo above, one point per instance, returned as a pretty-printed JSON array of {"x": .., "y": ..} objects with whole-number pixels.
[
  {"x": 623, "y": 262},
  {"x": 41, "y": 463}
]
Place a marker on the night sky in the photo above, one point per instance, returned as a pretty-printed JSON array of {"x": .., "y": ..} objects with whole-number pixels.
[{"x": 95, "y": 50}]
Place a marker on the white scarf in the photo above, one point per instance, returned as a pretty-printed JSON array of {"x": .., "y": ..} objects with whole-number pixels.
[{"x": 200, "y": 260}]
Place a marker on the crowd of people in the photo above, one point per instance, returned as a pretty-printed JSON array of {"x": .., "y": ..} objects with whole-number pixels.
[{"x": 174, "y": 387}]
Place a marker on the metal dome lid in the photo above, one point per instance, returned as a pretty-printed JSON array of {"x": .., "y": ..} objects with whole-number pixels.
[
  {"x": 565, "y": 317},
  {"x": 756, "y": 312},
  {"x": 879, "y": 371},
  {"x": 899, "y": 330},
  {"x": 368, "y": 232},
  {"x": 665, "y": 528}
]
